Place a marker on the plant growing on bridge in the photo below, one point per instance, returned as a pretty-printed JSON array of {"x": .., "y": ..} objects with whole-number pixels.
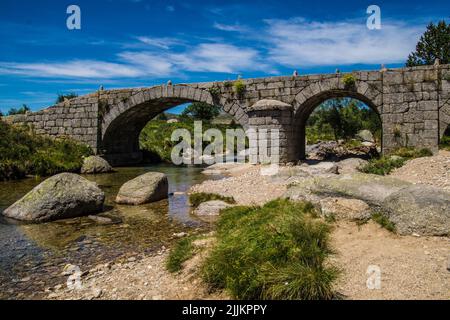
[
  {"x": 277, "y": 251},
  {"x": 68, "y": 96},
  {"x": 214, "y": 91},
  {"x": 434, "y": 44},
  {"x": 22, "y": 110},
  {"x": 239, "y": 88},
  {"x": 349, "y": 81}
]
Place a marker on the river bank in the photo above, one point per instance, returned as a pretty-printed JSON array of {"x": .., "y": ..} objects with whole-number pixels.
[
  {"x": 412, "y": 267},
  {"x": 34, "y": 255}
]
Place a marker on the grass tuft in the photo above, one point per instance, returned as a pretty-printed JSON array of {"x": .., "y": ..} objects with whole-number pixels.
[
  {"x": 277, "y": 251},
  {"x": 181, "y": 252},
  {"x": 384, "y": 222}
]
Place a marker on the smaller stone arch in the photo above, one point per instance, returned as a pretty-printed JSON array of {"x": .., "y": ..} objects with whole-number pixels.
[
  {"x": 121, "y": 125},
  {"x": 313, "y": 95}
]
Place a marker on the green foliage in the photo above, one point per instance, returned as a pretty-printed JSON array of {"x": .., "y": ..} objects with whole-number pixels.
[
  {"x": 195, "y": 199},
  {"x": 22, "y": 152},
  {"x": 433, "y": 44},
  {"x": 239, "y": 88},
  {"x": 341, "y": 118},
  {"x": 445, "y": 143},
  {"x": 182, "y": 251},
  {"x": 412, "y": 153},
  {"x": 214, "y": 91},
  {"x": 155, "y": 138},
  {"x": 349, "y": 80},
  {"x": 383, "y": 165},
  {"x": 201, "y": 111},
  {"x": 228, "y": 84},
  {"x": 68, "y": 96},
  {"x": 383, "y": 221},
  {"x": 22, "y": 110},
  {"x": 278, "y": 251},
  {"x": 162, "y": 116},
  {"x": 386, "y": 164}
]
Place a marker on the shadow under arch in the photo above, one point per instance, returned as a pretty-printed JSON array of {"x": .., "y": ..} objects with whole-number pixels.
[{"x": 304, "y": 110}]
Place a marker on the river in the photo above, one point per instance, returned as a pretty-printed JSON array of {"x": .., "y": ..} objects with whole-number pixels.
[{"x": 32, "y": 256}]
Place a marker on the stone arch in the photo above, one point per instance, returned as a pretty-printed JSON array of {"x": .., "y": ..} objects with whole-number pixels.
[
  {"x": 121, "y": 125},
  {"x": 313, "y": 95}
]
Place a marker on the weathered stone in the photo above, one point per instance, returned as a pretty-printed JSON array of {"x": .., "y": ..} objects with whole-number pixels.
[
  {"x": 351, "y": 165},
  {"x": 95, "y": 164},
  {"x": 62, "y": 196},
  {"x": 419, "y": 209},
  {"x": 149, "y": 187},
  {"x": 346, "y": 209},
  {"x": 365, "y": 135}
]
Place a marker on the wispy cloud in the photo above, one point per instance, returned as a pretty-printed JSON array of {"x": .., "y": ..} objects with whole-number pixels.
[
  {"x": 163, "y": 43},
  {"x": 298, "y": 42},
  {"x": 230, "y": 27}
]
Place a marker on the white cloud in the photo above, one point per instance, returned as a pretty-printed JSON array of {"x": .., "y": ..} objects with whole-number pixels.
[
  {"x": 162, "y": 43},
  {"x": 230, "y": 27},
  {"x": 71, "y": 69},
  {"x": 217, "y": 57},
  {"x": 297, "y": 42}
]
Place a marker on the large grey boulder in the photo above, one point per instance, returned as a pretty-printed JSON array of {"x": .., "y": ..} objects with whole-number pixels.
[
  {"x": 372, "y": 189},
  {"x": 351, "y": 165},
  {"x": 149, "y": 187},
  {"x": 345, "y": 209},
  {"x": 211, "y": 208},
  {"x": 65, "y": 195},
  {"x": 419, "y": 209},
  {"x": 95, "y": 164}
]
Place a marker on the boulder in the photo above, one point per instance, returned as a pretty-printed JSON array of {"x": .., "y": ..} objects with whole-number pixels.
[
  {"x": 367, "y": 187},
  {"x": 149, "y": 187},
  {"x": 370, "y": 188},
  {"x": 366, "y": 136},
  {"x": 211, "y": 208},
  {"x": 173, "y": 121},
  {"x": 419, "y": 209},
  {"x": 351, "y": 165},
  {"x": 346, "y": 209},
  {"x": 95, "y": 164},
  {"x": 62, "y": 196}
]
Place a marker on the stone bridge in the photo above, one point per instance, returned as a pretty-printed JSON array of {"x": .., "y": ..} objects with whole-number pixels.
[{"x": 413, "y": 105}]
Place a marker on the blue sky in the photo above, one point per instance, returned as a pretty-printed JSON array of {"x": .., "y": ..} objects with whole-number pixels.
[{"x": 132, "y": 43}]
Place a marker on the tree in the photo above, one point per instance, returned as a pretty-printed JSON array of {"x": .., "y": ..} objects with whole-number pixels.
[
  {"x": 68, "y": 96},
  {"x": 433, "y": 44},
  {"x": 22, "y": 110},
  {"x": 201, "y": 111}
]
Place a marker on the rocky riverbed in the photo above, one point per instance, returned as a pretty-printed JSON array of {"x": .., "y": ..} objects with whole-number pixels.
[{"x": 413, "y": 266}]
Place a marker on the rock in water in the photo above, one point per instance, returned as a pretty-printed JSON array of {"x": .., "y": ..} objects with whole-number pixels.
[
  {"x": 366, "y": 136},
  {"x": 149, "y": 187},
  {"x": 211, "y": 208},
  {"x": 420, "y": 209},
  {"x": 63, "y": 196},
  {"x": 95, "y": 164}
]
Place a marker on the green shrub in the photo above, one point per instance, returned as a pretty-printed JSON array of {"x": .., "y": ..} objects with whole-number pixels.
[
  {"x": 383, "y": 165},
  {"x": 349, "y": 80},
  {"x": 412, "y": 153},
  {"x": 22, "y": 152},
  {"x": 277, "y": 251},
  {"x": 239, "y": 88},
  {"x": 182, "y": 251},
  {"x": 214, "y": 91},
  {"x": 196, "y": 199}
]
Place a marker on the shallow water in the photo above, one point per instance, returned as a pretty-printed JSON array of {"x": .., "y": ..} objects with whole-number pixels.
[{"x": 32, "y": 255}]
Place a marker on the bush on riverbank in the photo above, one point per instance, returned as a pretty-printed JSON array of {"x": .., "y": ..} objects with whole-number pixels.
[
  {"x": 24, "y": 153},
  {"x": 277, "y": 251}
]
